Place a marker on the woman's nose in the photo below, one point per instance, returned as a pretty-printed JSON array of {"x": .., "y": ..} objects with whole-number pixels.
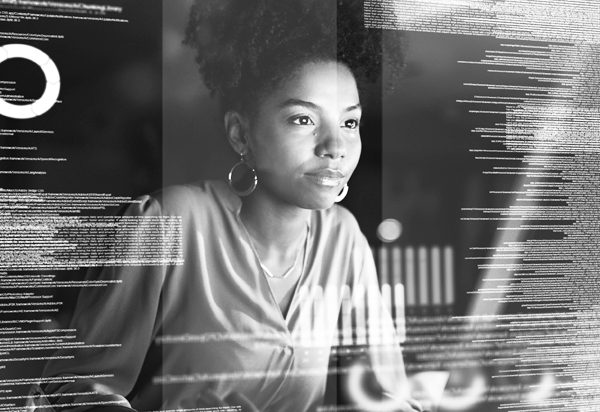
[{"x": 330, "y": 142}]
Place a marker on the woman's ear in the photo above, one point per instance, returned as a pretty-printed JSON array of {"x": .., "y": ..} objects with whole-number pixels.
[{"x": 236, "y": 129}]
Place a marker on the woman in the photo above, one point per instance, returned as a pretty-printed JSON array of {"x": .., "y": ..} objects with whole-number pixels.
[{"x": 250, "y": 317}]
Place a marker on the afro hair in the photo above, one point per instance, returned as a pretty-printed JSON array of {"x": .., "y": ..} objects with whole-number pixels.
[{"x": 245, "y": 48}]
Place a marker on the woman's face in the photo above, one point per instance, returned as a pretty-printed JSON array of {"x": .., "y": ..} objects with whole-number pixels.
[{"x": 305, "y": 139}]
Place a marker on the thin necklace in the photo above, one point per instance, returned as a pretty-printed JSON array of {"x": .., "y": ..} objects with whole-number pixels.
[
  {"x": 264, "y": 268},
  {"x": 290, "y": 270}
]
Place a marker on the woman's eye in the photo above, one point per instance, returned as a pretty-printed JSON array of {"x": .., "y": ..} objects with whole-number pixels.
[
  {"x": 303, "y": 121},
  {"x": 351, "y": 124}
]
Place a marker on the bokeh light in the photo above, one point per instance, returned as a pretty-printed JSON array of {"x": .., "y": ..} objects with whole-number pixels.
[{"x": 389, "y": 230}]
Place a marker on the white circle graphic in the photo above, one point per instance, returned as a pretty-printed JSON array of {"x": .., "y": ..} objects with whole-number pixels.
[{"x": 44, "y": 103}]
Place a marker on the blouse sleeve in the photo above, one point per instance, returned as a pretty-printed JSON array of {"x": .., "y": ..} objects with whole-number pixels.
[
  {"x": 115, "y": 325},
  {"x": 384, "y": 351}
]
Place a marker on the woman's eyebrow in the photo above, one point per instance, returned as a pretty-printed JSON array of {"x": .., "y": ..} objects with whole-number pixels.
[
  {"x": 299, "y": 102},
  {"x": 356, "y": 106},
  {"x": 311, "y": 105}
]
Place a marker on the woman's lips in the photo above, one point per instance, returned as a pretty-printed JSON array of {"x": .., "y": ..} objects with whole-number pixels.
[{"x": 326, "y": 177}]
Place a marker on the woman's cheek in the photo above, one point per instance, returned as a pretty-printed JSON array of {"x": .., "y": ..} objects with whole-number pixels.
[{"x": 355, "y": 146}]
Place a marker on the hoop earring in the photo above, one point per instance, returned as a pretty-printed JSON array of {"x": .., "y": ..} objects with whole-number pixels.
[
  {"x": 342, "y": 195},
  {"x": 245, "y": 180}
]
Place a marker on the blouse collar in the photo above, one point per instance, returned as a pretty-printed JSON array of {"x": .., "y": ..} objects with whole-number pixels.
[{"x": 234, "y": 203}]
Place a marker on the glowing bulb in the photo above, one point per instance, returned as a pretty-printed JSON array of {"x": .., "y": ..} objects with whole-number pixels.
[{"x": 389, "y": 230}]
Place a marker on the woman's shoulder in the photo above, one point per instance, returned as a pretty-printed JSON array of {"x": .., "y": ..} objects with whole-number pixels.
[
  {"x": 195, "y": 197},
  {"x": 338, "y": 222},
  {"x": 339, "y": 215},
  {"x": 199, "y": 195},
  {"x": 340, "y": 245}
]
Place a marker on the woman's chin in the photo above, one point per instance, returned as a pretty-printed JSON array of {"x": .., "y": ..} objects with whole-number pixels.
[{"x": 319, "y": 202}]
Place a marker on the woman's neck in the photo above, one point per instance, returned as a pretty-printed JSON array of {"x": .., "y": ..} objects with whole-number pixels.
[{"x": 275, "y": 228}]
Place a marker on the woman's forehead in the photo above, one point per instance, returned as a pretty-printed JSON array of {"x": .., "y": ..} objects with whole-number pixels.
[{"x": 318, "y": 83}]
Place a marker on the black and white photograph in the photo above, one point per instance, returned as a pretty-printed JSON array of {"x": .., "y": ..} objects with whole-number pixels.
[{"x": 299, "y": 205}]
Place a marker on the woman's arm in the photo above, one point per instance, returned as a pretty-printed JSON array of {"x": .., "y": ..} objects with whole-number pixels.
[{"x": 115, "y": 325}]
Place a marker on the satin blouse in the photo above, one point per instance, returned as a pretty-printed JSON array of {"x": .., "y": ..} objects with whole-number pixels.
[{"x": 157, "y": 336}]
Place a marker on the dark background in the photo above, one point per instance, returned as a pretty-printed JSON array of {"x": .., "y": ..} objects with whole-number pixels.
[{"x": 135, "y": 117}]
